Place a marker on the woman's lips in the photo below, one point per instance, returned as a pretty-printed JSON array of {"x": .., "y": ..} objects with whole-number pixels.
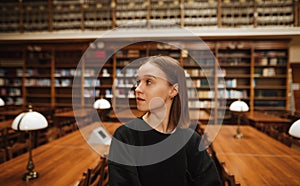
[{"x": 140, "y": 99}]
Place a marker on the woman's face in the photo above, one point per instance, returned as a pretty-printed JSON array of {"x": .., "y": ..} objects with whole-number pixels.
[{"x": 153, "y": 91}]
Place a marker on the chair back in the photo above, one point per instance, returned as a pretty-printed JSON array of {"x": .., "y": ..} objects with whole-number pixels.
[{"x": 97, "y": 176}]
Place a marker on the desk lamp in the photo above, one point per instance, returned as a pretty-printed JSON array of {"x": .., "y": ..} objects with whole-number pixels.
[
  {"x": 239, "y": 107},
  {"x": 2, "y": 103},
  {"x": 101, "y": 104},
  {"x": 29, "y": 121},
  {"x": 295, "y": 129}
]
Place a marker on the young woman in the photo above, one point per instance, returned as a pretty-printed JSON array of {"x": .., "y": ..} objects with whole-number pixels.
[{"x": 159, "y": 148}]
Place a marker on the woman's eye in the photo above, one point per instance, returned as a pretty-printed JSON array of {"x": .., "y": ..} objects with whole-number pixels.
[{"x": 148, "y": 82}]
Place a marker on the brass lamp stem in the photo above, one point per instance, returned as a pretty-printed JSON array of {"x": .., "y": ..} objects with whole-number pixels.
[
  {"x": 30, "y": 166},
  {"x": 239, "y": 134}
]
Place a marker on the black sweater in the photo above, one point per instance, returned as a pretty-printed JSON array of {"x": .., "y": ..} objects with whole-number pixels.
[{"x": 141, "y": 156}]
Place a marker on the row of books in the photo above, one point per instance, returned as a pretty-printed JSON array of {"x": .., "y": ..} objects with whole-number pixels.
[
  {"x": 10, "y": 82},
  {"x": 269, "y": 103},
  {"x": 132, "y": 53},
  {"x": 273, "y": 61},
  {"x": 126, "y": 72},
  {"x": 38, "y": 82},
  {"x": 265, "y": 72},
  {"x": 34, "y": 72},
  {"x": 14, "y": 72},
  {"x": 200, "y": 61},
  {"x": 13, "y": 100},
  {"x": 200, "y": 21},
  {"x": 91, "y": 93},
  {"x": 197, "y": 83},
  {"x": 268, "y": 93},
  {"x": 64, "y": 72},
  {"x": 276, "y": 19},
  {"x": 91, "y": 82},
  {"x": 233, "y": 94},
  {"x": 63, "y": 83},
  {"x": 200, "y": 72},
  {"x": 11, "y": 91},
  {"x": 124, "y": 93},
  {"x": 200, "y": 104}
]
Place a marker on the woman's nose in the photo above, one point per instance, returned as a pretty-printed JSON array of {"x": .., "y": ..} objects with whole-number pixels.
[{"x": 138, "y": 88}]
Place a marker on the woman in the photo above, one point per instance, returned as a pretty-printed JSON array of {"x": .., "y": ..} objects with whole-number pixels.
[{"x": 159, "y": 148}]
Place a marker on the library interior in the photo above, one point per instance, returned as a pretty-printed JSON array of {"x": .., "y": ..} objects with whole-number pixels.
[{"x": 68, "y": 72}]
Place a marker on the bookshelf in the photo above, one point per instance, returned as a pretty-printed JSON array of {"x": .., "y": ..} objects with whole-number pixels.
[
  {"x": 275, "y": 13},
  {"x": 200, "y": 13},
  {"x": 42, "y": 74},
  {"x": 237, "y": 13},
  {"x": 98, "y": 72},
  {"x": 234, "y": 60},
  {"x": 65, "y": 66},
  {"x": 10, "y": 16},
  {"x": 271, "y": 77},
  {"x": 228, "y": 71},
  {"x": 199, "y": 64},
  {"x": 132, "y": 14},
  {"x": 296, "y": 83},
  {"x": 97, "y": 15},
  {"x": 11, "y": 75},
  {"x": 35, "y": 16},
  {"x": 67, "y": 15},
  {"x": 167, "y": 12},
  {"x": 126, "y": 69},
  {"x": 38, "y": 72},
  {"x": 93, "y": 15}
]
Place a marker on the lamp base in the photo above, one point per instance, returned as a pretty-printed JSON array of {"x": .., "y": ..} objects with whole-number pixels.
[
  {"x": 238, "y": 136},
  {"x": 30, "y": 175}
]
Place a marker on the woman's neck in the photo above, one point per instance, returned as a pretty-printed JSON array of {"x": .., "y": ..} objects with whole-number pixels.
[{"x": 159, "y": 121}]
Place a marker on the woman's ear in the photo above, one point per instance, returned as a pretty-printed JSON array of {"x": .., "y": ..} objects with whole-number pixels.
[{"x": 174, "y": 90}]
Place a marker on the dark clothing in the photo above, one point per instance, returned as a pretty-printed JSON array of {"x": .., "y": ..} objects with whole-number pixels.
[{"x": 151, "y": 158}]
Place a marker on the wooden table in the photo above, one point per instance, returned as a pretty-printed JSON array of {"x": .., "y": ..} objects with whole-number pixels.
[
  {"x": 6, "y": 124},
  {"x": 259, "y": 119},
  {"x": 81, "y": 113},
  {"x": 11, "y": 113},
  {"x": 257, "y": 159},
  {"x": 265, "y": 118},
  {"x": 83, "y": 117},
  {"x": 60, "y": 162}
]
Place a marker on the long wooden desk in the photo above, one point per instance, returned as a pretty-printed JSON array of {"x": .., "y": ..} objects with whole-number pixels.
[
  {"x": 266, "y": 118},
  {"x": 257, "y": 159},
  {"x": 60, "y": 162},
  {"x": 11, "y": 113},
  {"x": 6, "y": 124},
  {"x": 71, "y": 113},
  {"x": 259, "y": 117}
]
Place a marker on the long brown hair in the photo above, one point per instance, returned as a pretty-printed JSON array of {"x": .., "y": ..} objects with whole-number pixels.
[{"x": 179, "y": 112}]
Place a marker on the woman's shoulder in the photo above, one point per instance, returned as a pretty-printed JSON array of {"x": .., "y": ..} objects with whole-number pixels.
[
  {"x": 190, "y": 132},
  {"x": 194, "y": 137}
]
